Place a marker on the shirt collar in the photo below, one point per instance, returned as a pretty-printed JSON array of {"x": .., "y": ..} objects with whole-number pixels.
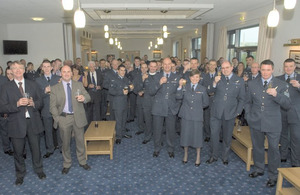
[
  {"x": 268, "y": 80},
  {"x": 291, "y": 75}
]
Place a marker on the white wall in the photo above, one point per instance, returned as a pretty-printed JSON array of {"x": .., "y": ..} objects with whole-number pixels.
[
  {"x": 3, "y": 36},
  {"x": 103, "y": 47},
  {"x": 45, "y": 40},
  {"x": 287, "y": 29}
]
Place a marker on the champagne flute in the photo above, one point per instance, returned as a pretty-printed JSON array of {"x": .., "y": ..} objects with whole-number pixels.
[
  {"x": 183, "y": 85},
  {"x": 219, "y": 73},
  {"x": 26, "y": 95},
  {"x": 270, "y": 85},
  {"x": 77, "y": 93}
]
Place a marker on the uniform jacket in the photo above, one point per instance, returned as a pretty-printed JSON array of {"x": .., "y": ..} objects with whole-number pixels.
[{"x": 116, "y": 91}]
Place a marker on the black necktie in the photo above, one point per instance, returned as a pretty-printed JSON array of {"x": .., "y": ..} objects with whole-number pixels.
[
  {"x": 93, "y": 79},
  {"x": 265, "y": 84},
  {"x": 212, "y": 76},
  {"x": 193, "y": 88},
  {"x": 227, "y": 79},
  {"x": 69, "y": 93},
  {"x": 253, "y": 78},
  {"x": 48, "y": 78},
  {"x": 167, "y": 76},
  {"x": 288, "y": 79}
]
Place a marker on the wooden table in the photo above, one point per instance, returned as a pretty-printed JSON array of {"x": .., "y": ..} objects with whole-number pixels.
[
  {"x": 242, "y": 146},
  {"x": 100, "y": 140},
  {"x": 292, "y": 175}
]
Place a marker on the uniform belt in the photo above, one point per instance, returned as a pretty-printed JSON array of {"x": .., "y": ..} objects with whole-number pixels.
[{"x": 65, "y": 114}]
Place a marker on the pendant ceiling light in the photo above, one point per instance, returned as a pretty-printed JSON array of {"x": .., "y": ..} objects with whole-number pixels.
[
  {"x": 273, "y": 17},
  {"x": 289, "y": 4},
  {"x": 165, "y": 35},
  {"x": 106, "y": 35},
  {"x": 79, "y": 17},
  {"x": 111, "y": 41},
  {"x": 165, "y": 28},
  {"x": 68, "y": 4},
  {"x": 106, "y": 28}
]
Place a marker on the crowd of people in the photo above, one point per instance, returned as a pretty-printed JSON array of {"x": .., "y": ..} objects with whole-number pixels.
[{"x": 199, "y": 102}]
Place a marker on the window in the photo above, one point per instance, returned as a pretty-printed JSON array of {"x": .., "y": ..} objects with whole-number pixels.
[
  {"x": 196, "y": 46},
  {"x": 242, "y": 42},
  {"x": 175, "y": 48}
]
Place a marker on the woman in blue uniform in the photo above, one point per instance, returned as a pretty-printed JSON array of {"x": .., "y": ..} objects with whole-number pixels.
[{"x": 194, "y": 99}]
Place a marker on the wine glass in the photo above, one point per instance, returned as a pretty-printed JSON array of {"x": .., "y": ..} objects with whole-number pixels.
[
  {"x": 77, "y": 93},
  {"x": 270, "y": 84},
  {"x": 183, "y": 85}
]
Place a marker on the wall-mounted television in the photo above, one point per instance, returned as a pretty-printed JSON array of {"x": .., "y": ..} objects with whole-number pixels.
[{"x": 12, "y": 47}]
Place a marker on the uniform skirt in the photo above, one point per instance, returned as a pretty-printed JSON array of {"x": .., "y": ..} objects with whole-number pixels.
[{"x": 191, "y": 133}]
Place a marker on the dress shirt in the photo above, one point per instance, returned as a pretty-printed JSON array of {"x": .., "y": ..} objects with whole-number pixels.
[{"x": 23, "y": 86}]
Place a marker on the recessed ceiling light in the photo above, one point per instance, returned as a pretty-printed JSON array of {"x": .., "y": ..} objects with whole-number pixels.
[
  {"x": 179, "y": 26},
  {"x": 37, "y": 19}
]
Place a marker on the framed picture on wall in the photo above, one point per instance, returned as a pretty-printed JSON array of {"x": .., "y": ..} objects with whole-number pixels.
[
  {"x": 156, "y": 55},
  {"x": 295, "y": 54}
]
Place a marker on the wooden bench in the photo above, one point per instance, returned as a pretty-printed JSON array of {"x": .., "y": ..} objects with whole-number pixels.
[
  {"x": 100, "y": 140},
  {"x": 292, "y": 175},
  {"x": 242, "y": 146}
]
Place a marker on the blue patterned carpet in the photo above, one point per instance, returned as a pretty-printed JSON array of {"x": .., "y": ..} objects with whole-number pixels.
[{"x": 134, "y": 171}]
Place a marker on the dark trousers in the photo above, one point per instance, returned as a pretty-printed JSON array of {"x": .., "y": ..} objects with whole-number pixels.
[
  {"x": 158, "y": 122},
  {"x": 120, "y": 116},
  {"x": 258, "y": 140},
  {"x": 4, "y": 134},
  {"x": 148, "y": 123},
  {"x": 290, "y": 137},
  {"x": 206, "y": 129},
  {"x": 93, "y": 111},
  {"x": 48, "y": 126},
  {"x": 132, "y": 106},
  {"x": 227, "y": 128},
  {"x": 34, "y": 144},
  {"x": 140, "y": 117},
  {"x": 103, "y": 104}
]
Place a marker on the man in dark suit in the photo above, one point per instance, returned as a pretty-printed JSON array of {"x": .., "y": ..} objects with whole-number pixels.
[
  {"x": 165, "y": 107},
  {"x": 66, "y": 106},
  {"x": 208, "y": 82},
  {"x": 118, "y": 89},
  {"x": 104, "y": 92},
  {"x": 265, "y": 96},
  {"x": 110, "y": 75},
  {"x": 132, "y": 96},
  {"x": 290, "y": 134},
  {"x": 95, "y": 81},
  {"x": 30, "y": 73},
  {"x": 45, "y": 82},
  {"x": 21, "y": 99},
  {"x": 228, "y": 102},
  {"x": 3, "y": 125}
]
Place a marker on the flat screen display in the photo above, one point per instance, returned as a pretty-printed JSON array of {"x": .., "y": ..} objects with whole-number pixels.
[{"x": 11, "y": 47}]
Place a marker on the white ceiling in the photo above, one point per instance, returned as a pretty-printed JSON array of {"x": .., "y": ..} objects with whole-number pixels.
[{"x": 130, "y": 18}]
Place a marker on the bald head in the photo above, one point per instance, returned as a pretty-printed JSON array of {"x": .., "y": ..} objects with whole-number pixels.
[{"x": 255, "y": 68}]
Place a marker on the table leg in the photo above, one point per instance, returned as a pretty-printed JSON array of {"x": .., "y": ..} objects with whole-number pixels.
[{"x": 279, "y": 183}]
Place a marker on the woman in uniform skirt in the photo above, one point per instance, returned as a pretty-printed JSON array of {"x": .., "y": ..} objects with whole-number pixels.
[{"x": 194, "y": 99}]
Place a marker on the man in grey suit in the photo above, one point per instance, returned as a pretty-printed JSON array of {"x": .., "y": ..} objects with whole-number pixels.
[
  {"x": 265, "y": 96},
  {"x": 66, "y": 107},
  {"x": 45, "y": 82},
  {"x": 165, "y": 107},
  {"x": 228, "y": 102},
  {"x": 290, "y": 134}
]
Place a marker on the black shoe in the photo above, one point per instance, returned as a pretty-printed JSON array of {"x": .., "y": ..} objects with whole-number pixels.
[
  {"x": 48, "y": 154},
  {"x": 24, "y": 156},
  {"x": 65, "y": 171},
  {"x": 171, "y": 154},
  {"x": 127, "y": 136},
  {"x": 145, "y": 141},
  {"x": 225, "y": 162},
  {"x": 178, "y": 133},
  {"x": 283, "y": 160},
  {"x": 127, "y": 130},
  {"x": 255, "y": 174},
  {"x": 155, "y": 154},
  {"x": 211, "y": 160},
  {"x": 184, "y": 162},
  {"x": 41, "y": 175},
  {"x": 271, "y": 183},
  {"x": 207, "y": 139},
  {"x": 139, "y": 132},
  {"x": 130, "y": 120},
  {"x": 86, "y": 167},
  {"x": 9, "y": 152},
  {"x": 118, "y": 141},
  {"x": 197, "y": 165},
  {"x": 221, "y": 141},
  {"x": 19, "y": 181}
]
